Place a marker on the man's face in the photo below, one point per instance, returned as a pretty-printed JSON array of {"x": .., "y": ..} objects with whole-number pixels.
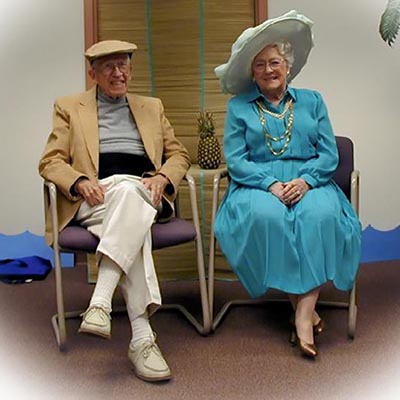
[{"x": 112, "y": 74}]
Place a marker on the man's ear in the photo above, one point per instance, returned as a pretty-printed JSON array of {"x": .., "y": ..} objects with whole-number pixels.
[{"x": 92, "y": 74}]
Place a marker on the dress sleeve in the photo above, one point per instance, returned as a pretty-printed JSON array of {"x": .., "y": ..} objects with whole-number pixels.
[
  {"x": 320, "y": 169},
  {"x": 241, "y": 169}
]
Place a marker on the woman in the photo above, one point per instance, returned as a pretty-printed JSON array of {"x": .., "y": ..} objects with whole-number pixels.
[{"x": 283, "y": 223}]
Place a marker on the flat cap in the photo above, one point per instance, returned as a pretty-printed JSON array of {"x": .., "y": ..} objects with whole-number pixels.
[{"x": 107, "y": 47}]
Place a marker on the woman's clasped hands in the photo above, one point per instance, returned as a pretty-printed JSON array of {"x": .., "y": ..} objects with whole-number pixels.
[{"x": 290, "y": 192}]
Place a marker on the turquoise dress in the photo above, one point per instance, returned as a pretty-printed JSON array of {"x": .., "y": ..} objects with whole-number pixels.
[{"x": 268, "y": 244}]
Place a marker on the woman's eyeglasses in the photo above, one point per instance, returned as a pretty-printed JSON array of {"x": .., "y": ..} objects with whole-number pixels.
[{"x": 273, "y": 64}]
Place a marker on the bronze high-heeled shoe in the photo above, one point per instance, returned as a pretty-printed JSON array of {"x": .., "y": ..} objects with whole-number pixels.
[
  {"x": 308, "y": 349},
  {"x": 317, "y": 329}
]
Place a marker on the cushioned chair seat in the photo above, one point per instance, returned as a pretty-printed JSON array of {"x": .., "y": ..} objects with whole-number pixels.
[{"x": 174, "y": 232}]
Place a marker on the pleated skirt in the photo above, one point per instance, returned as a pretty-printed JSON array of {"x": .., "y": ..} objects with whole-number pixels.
[{"x": 293, "y": 249}]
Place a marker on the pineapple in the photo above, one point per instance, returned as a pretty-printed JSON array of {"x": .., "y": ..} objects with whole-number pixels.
[{"x": 208, "y": 150}]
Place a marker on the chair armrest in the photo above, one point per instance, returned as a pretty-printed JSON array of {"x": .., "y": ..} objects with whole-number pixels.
[
  {"x": 200, "y": 252},
  {"x": 193, "y": 204},
  {"x": 221, "y": 174},
  {"x": 215, "y": 197},
  {"x": 211, "y": 260},
  {"x": 355, "y": 190},
  {"x": 50, "y": 201}
]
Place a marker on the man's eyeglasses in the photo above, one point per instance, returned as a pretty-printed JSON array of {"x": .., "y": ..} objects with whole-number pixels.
[
  {"x": 109, "y": 68},
  {"x": 274, "y": 64}
]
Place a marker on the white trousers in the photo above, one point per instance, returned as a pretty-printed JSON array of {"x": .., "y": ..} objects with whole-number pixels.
[{"x": 123, "y": 225}]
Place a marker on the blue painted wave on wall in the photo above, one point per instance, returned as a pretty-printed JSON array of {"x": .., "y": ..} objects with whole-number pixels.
[
  {"x": 380, "y": 245},
  {"x": 29, "y": 244},
  {"x": 376, "y": 246}
]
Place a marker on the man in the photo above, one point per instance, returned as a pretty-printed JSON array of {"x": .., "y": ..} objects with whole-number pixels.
[{"x": 117, "y": 166}]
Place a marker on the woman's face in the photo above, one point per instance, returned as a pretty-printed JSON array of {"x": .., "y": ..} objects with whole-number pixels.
[{"x": 270, "y": 71}]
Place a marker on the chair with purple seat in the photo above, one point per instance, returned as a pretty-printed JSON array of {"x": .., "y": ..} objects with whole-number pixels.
[
  {"x": 347, "y": 179},
  {"x": 76, "y": 239}
]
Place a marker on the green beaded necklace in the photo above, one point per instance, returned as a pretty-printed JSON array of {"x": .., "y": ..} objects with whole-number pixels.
[{"x": 287, "y": 135}]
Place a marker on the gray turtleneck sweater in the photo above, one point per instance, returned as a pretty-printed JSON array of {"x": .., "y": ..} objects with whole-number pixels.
[{"x": 117, "y": 129}]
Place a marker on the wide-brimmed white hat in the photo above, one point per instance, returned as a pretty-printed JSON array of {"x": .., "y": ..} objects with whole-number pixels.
[{"x": 236, "y": 76}]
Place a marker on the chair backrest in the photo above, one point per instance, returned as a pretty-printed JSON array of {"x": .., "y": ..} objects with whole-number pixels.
[{"x": 346, "y": 164}]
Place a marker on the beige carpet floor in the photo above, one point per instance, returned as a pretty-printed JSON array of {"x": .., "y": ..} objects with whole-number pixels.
[{"x": 248, "y": 357}]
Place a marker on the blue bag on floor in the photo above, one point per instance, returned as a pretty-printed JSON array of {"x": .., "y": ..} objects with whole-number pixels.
[{"x": 24, "y": 269}]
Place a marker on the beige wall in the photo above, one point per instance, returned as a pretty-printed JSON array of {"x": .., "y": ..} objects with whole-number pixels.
[
  {"x": 358, "y": 75},
  {"x": 41, "y": 46},
  {"x": 41, "y": 43}
]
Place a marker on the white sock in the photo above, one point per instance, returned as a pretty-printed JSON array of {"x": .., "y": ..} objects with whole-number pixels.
[
  {"x": 141, "y": 330},
  {"x": 107, "y": 281}
]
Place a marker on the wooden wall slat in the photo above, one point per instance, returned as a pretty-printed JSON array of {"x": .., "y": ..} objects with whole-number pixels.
[
  {"x": 126, "y": 20},
  {"x": 175, "y": 39}
]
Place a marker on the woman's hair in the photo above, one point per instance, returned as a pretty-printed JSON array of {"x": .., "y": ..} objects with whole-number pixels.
[{"x": 286, "y": 51}]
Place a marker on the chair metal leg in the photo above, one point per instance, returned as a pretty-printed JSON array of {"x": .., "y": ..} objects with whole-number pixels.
[
  {"x": 211, "y": 265},
  {"x": 60, "y": 333},
  {"x": 58, "y": 320},
  {"x": 205, "y": 328},
  {"x": 352, "y": 314},
  {"x": 202, "y": 329},
  {"x": 242, "y": 302},
  {"x": 350, "y": 306},
  {"x": 211, "y": 259}
]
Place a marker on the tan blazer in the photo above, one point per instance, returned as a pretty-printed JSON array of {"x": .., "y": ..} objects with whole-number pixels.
[{"x": 72, "y": 149}]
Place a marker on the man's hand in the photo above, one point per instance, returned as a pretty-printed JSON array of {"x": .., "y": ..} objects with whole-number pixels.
[
  {"x": 92, "y": 192},
  {"x": 156, "y": 184}
]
